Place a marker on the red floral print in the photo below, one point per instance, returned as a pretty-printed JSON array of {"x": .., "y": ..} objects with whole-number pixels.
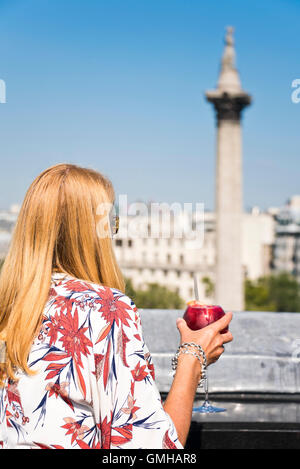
[
  {"x": 167, "y": 442},
  {"x": 74, "y": 428},
  {"x": 105, "y": 428},
  {"x": 139, "y": 372},
  {"x": 93, "y": 386}
]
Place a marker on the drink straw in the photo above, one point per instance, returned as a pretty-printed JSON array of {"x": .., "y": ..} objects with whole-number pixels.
[{"x": 196, "y": 289}]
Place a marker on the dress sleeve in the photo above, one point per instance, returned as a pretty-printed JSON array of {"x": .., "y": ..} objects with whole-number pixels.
[{"x": 126, "y": 400}]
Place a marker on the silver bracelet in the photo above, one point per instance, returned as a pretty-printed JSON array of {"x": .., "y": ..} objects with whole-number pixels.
[
  {"x": 197, "y": 346},
  {"x": 185, "y": 348},
  {"x": 185, "y": 345}
]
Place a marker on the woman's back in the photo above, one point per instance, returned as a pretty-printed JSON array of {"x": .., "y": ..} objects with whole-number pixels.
[
  {"x": 85, "y": 377},
  {"x": 94, "y": 386}
]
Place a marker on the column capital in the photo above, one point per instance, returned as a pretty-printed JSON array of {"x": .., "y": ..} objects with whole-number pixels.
[{"x": 228, "y": 106}]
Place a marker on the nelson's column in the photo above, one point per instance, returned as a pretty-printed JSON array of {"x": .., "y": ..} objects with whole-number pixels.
[{"x": 229, "y": 100}]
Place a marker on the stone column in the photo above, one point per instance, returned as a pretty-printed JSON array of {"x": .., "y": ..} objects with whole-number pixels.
[{"x": 229, "y": 100}]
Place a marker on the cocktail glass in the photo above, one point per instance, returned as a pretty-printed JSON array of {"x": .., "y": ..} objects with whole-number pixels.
[{"x": 198, "y": 315}]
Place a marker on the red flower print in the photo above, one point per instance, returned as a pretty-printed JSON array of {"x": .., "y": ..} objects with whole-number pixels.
[
  {"x": 125, "y": 431},
  {"x": 131, "y": 409},
  {"x": 121, "y": 345},
  {"x": 106, "y": 366},
  {"x": 57, "y": 389},
  {"x": 73, "y": 338},
  {"x": 55, "y": 368},
  {"x": 104, "y": 332},
  {"x": 77, "y": 285},
  {"x": 52, "y": 292},
  {"x": 84, "y": 445},
  {"x": 60, "y": 390},
  {"x": 139, "y": 372},
  {"x": 74, "y": 428},
  {"x": 113, "y": 309},
  {"x": 13, "y": 394},
  {"x": 83, "y": 395},
  {"x": 98, "y": 365},
  {"x": 105, "y": 428},
  {"x": 54, "y": 326},
  {"x": 63, "y": 303},
  {"x": 150, "y": 365},
  {"x": 167, "y": 442}
]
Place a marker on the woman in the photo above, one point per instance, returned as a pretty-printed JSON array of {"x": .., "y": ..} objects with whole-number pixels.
[{"x": 77, "y": 373}]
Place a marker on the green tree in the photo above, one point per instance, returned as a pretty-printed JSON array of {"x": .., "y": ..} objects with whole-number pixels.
[
  {"x": 129, "y": 289},
  {"x": 209, "y": 286},
  {"x": 280, "y": 293},
  {"x": 155, "y": 296}
]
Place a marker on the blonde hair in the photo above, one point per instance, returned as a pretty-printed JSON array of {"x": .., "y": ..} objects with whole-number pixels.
[{"x": 56, "y": 230}]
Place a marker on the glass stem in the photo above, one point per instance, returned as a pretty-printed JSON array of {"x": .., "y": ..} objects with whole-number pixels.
[{"x": 206, "y": 387}]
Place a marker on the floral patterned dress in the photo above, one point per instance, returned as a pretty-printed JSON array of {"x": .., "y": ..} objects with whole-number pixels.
[{"x": 94, "y": 383}]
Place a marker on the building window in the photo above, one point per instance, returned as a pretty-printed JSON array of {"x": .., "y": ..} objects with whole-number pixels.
[
  {"x": 119, "y": 242},
  {"x": 181, "y": 259},
  {"x": 169, "y": 258},
  {"x": 129, "y": 243}
]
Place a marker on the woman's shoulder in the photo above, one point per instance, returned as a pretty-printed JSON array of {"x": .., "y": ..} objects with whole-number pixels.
[
  {"x": 69, "y": 286},
  {"x": 91, "y": 302}
]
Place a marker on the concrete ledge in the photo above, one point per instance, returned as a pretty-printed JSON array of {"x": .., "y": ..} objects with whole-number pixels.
[{"x": 263, "y": 357}]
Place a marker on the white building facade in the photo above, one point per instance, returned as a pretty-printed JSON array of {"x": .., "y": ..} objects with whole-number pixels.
[
  {"x": 172, "y": 262},
  {"x": 154, "y": 252},
  {"x": 8, "y": 219},
  {"x": 287, "y": 245}
]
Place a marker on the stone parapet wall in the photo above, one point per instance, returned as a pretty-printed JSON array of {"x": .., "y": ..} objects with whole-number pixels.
[{"x": 264, "y": 356}]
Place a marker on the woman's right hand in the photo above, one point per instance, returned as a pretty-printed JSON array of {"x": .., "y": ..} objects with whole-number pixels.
[
  {"x": 179, "y": 403},
  {"x": 210, "y": 338}
]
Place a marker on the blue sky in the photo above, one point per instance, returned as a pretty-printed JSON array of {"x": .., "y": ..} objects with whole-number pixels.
[{"x": 118, "y": 85}]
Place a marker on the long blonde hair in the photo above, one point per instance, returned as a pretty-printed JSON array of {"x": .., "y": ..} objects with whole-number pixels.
[{"x": 56, "y": 230}]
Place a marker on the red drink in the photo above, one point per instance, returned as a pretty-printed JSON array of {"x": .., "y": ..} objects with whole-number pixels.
[{"x": 198, "y": 315}]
